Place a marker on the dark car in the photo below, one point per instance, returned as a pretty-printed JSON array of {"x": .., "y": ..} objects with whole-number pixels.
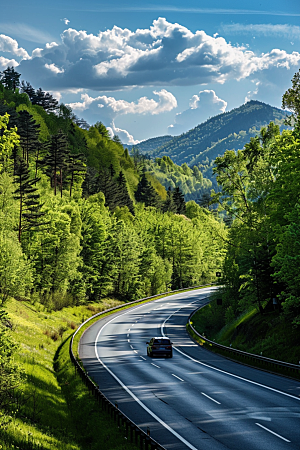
[{"x": 160, "y": 346}]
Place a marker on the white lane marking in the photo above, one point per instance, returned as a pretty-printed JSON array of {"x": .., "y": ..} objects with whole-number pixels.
[
  {"x": 273, "y": 432},
  {"x": 128, "y": 340},
  {"x": 135, "y": 351},
  {"x": 127, "y": 335},
  {"x": 131, "y": 347},
  {"x": 210, "y": 398},
  {"x": 143, "y": 358},
  {"x": 164, "y": 424},
  {"x": 132, "y": 325},
  {"x": 223, "y": 371},
  {"x": 177, "y": 377},
  {"x": 155, "y": 365},
  {"x": 128, "y": 329}
]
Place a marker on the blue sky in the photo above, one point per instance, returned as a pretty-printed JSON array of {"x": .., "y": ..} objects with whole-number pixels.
[{"x": 149, "y": 69}]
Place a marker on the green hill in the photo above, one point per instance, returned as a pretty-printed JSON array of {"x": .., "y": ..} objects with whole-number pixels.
[{"x": 227, "y": 131}]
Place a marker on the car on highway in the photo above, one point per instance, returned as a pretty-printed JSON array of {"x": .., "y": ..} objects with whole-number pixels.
[{"x": 159, "y": 346}]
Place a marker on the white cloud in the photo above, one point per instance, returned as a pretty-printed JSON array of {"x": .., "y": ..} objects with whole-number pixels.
[
  {"x": 125, "y": 137},
  {"x": 7, "y": 44},
  {"x": 107, "y": 109},
  {"x": 165, "y": 54},
  {"x": 53, "y": 68},
  {"x": 202, "y": 106},
  {"x": 143, "y": 105},
  {"x": 4, "y": 63},
  {"x": 66, "y": 21}
]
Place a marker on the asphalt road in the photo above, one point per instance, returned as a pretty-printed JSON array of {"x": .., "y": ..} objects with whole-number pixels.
[{"x": 195, "y": 400}]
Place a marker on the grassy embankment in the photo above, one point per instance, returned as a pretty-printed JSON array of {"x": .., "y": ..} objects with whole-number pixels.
[
  {"x": 54, "y": 409},
  {"x": 267, "y": 334}
]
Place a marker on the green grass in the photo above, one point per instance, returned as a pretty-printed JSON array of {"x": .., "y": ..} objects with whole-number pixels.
[
  {"x": 266, "y": 334},
  {"x": 53, "y": 409}
]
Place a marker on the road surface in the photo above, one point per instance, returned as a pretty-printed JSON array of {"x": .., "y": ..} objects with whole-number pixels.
[{"x": 195, "y": 400}]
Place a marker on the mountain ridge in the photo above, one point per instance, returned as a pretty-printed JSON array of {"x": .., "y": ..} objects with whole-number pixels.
[{"x": 226, "y": 131}]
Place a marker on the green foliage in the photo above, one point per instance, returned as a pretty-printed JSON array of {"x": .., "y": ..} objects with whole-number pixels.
[
  {"x": 8, "y": 139},
  {"x": 230, "y": 130}
]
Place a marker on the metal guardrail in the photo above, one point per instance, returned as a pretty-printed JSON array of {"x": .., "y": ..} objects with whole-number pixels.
[
  {"x": 259, "y": 361},
  {"x": 132, "y": 432}
]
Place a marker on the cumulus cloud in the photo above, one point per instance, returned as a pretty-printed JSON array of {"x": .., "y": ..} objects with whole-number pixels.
[
  {"x": 165, "y": 54},
  {"x": 4, "y": 63},
  {"x": 202, "y": 106},
  {"x": 9, "y": 45},
  {"x": 144, "y": 105},
  {"x": 108, "y": 109},
  {"x": 125, "y": 137}
]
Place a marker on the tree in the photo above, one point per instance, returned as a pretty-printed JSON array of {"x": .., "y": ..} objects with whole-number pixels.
[
  {"x": 28, "y": 131},
  {"x": 145, "y": 193},
  {"x": 291, "y": 100},
  {"x": 169, "y": 205},
  {"x": 10, "y": 79},
  {"x": 56, "y": 159},
  {"x": 103, "y": 131},
  {"x": 178, "y": 199},
  {"x": 29, "y": 199},
  {"x": 8, "y": 141},
  {"x": 124, "y": 197}
]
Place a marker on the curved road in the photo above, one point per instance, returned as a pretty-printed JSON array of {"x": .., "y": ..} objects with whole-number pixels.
[{"x": 196, "y": 400}]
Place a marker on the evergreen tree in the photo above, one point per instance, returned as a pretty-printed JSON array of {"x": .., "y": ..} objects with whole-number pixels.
[
  {"x": 39, "y": 97},
  {"x": 178, "y": 199},
  {"x": 10, "y": 79},
  {"x": 106, "y": 184},
  {"x": 169, "y": 205},
  {"x": 145, "y": 193},
  {"x": 75, "y": 167},
  {"x": 29, "y": 199},
  {"x": 56, "y": 160},
  {"x": 28, "y": 131},
  {"x": 124, "y": 197}
]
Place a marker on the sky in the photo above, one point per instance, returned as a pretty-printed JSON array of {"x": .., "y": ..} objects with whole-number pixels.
[{"x": 151, "y": 69}]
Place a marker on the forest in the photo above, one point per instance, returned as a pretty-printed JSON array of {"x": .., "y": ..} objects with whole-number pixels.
[
  {"x": 259, "y": 196},
  {"x": 81, "y": 218}
]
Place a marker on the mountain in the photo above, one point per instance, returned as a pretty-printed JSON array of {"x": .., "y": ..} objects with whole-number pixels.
[
  {"x": 151, "y": 144},
  {"x": 227, "y": 131}
]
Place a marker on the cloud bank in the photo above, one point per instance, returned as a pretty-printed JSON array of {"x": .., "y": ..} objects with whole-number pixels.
[{"x": 166, "y": 54}]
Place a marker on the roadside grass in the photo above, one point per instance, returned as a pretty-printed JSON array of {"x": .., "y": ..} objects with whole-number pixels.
[
  {"x": 265, "y": 334},
  {"x": 53, "y": 409},
  {"x": 42, "y": 417}
]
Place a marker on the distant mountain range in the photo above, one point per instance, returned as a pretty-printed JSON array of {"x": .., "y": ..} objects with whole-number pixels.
[{"x": 227, "y": 131}]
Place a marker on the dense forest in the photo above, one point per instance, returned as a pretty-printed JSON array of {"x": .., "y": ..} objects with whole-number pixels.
[
  {"x": 260, "y": 197},
  {"x": 227, "y": 131}
]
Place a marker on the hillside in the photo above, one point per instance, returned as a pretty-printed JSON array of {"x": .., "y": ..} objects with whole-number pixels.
[
  {"x": 227, "y": 131},
  {"x": 151, "y": 144}
]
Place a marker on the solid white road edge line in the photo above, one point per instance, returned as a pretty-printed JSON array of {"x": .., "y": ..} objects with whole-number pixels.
[
  {"x": 270, "y": 431},
  {"x": 220, "y": 370},
  {"x": 155, "y": 365},
  {"x": 210, "y": 398},
  {"x": 164, "y": 424},
  {"x": 177, "y": 377}
]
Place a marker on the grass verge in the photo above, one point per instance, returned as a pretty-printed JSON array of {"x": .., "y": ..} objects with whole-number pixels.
[
  {"x": 265, "y": 334},
  {"x": 53, "y": 409}
]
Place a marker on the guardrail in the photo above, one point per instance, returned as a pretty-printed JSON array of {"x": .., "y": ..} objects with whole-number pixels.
[
  {"x": 262, "y": 362},
  {"x": 132, "y": 432}
]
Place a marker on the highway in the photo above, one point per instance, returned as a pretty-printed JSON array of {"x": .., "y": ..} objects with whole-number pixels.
[{"x": 195, "y": 400}]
